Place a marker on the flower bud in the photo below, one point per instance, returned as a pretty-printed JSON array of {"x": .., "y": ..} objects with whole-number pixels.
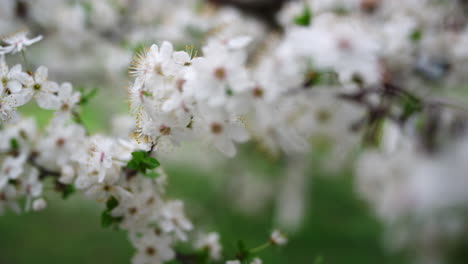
[{"x": 39, "y": 204}]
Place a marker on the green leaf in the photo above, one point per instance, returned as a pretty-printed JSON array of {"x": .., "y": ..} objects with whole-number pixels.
[
  {"x": 14, "y": 144},
  {"x": 68, "y": 190},
  {"x": 112, "y": 203},
  {"x": 151, "y": 163},
  {"x": 106, "y": 219},
  {"x": 229, "y": 92},
  {"x": 141, "y": 161},
  {"x": 305, "y": 18},
  {"x": 313, "y": 78},
  {"x": 410, "y": 106},
  {"x": 87, "y": 96},
  {"x": 416, "y": 35}
]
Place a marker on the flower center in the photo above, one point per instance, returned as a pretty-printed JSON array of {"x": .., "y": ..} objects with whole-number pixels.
[
  {"x": 65, "y": 107},
  {"x": 220, "y": 73},
  {"x": 37, "y": 86},
  {"x": 323, "y": 116},
  {"x": 258, "y": 92},
  {"x": 150, "y": 251},
  {"x": 216, "y": 128},
  {"x": 369, "y": 5},
  {"x": 60, "y": 142},
  {"x": 164, "y": 130},
  {"x": 132, "y": 210}
]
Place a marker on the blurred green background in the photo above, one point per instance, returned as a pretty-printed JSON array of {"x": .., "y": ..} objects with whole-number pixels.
[{"x": 338, "y": 228}]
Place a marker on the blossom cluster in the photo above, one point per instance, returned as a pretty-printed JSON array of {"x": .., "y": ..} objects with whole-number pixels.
[
  {"x": 95, "y": 165},
  {"x": 120, "y": 173},
  {"x": 367, "y": 76}
]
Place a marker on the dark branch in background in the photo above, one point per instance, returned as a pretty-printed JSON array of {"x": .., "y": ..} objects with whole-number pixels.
[
  {"x": 429, "y": 110},
  {"x": 264, "y": 10}
]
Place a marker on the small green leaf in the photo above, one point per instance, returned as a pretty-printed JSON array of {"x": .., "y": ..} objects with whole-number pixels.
[
  {"x": 305, "y": 18},
  {"x": 139, "y": 155},
  {"x": 229, "y": 92},
  {"x": 151, "y": 163},
  {"x": 14, "y": 144},
  {"x": 410, "y": 106},
  {"x": 416, "y": 35},
  {"x": 87, "y": 96},
  {"x": 313, "y": 78},
  {"x": 106, "y": 219},
  {"x": 68, "y": 190},
  {"x": 141, "y": 161},
  {"x": 112, "y": 203}
]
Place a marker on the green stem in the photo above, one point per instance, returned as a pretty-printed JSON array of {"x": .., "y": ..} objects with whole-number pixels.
[
  {"x": 260, "y": 248},
  {"x": 23, "y": 54}
]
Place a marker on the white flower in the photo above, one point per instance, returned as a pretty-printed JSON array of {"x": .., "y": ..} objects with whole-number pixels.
[
  {"x": 233, "y": 262},
  {"x": 160, "y": 125},
  {"x": 97, "y": 163},
  {"x": 68, "y": 174},
  {"x": 31, "y": 185},
  {"x": 39, "y": 204},
  {"x": 218, "y": 75},
  {"x": 17, "y": 42},
  {"x": 153, "y": 66},
  {"x": 256, "y": 261},
  {"x": 44, "y": 91},
  {"x": 67, "y": 97},
  {"x": 211, "y": 243},
  {"x": 100, "y": 158},
  {"x": 11, "y": 168},
  {"x": 151, "y": 247},
  {"x": 8, "y": 198},
  {"x": 278, "y": 238},
  {"x": 11, "y": 93},
  {"x": 101, "y": 192},
  {"x": 216, "y": 128},
  {"x": 8, "y": 82},
  {"x": 57, "y": 146},
  {"x": 174, "y": 219}
]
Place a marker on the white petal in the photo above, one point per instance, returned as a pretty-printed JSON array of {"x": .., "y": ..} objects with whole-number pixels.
[
  {"x": 65, "y": 90},
  {"x": 238, "y": 133},
  {"x": 3, "y": 181},
  {"x": 239, "y": 42},
  {"x": 154, "y": 49},
  {"x": 15, "y": 70},
  {"x": 34, "y": 40},
  {"x": 181, "y": 57},
  {"x": 24, "y": 78},
  {"x": 14, "y": 86},
  {"x": 225, "y": 146},
  {"x": 41, "y": 74},
  {"x": 166, "y": 50},
  {"x": 48, "y": 101}
]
